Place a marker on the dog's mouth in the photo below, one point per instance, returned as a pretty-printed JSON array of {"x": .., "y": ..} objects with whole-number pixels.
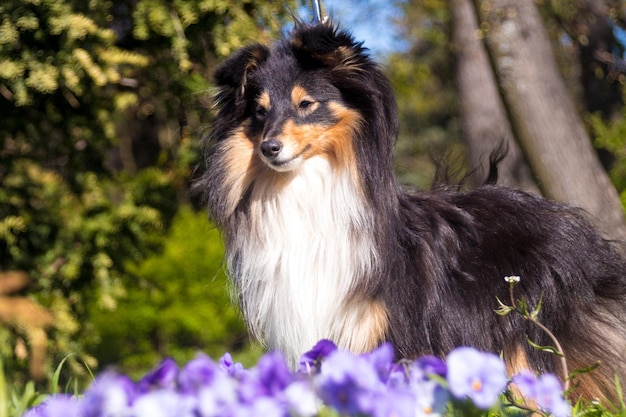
[{"x": 284, "y": 160}]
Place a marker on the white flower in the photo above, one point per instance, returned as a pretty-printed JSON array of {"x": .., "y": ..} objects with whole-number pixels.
[{"x": 511, "y": 279}]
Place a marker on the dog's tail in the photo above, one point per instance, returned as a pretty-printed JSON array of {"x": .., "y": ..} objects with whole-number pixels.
[
  {"x": 496, "y": 156},
  {"x": 445, "y": 178}
]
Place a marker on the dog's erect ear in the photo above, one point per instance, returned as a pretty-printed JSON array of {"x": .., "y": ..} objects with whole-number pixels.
[
  {"x": 233, "y": 74},
  {"x": 233, "y": 78},
  {"x": 323, "y": 45}
]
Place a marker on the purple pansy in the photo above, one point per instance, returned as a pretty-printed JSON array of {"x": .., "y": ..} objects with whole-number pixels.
[
  {"x": 260, "y": 407},
  {"x": 230, "y": 366},
  {"x": 311, "y": 360},
  {"x": 269, "y": 378},
  {"x": 476, "y": 375},
  {"x": 381, "y": 359},
  {"x": 197, "y": 373},
  {"x": 217, "y": 399},
  {"x": 431, "y": 397},
  {"x": 272, "y": 374},
  {"x": 301, "y": 399},
  {"x": 545, "y": 390},
  {"x": 162, "y": 376},
  {"x": 396, "y": 403},
  {"x": 163, "y": 403},
  {"x": 59, "y": 405},
  {"x": 371, "y": 384},
  {"x": 432, "y": 365},
  {"x": 348, "y": 383},
  {"x": 109, "y": 395}
]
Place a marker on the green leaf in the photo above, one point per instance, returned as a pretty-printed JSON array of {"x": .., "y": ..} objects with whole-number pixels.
[
  {"x": 523, "y": 308},
  {"x": 57, "y": 375},
  {"x": 3, "y": 391},
  {"x": 585, "y": 370},
  {"x": 535, "y": 313},
  {"x": 504, "y": 309},
  {"x": 550, "y": 349}
]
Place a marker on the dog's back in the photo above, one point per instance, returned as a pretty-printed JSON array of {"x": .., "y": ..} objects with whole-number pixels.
[{"x": 464, "y": 245}]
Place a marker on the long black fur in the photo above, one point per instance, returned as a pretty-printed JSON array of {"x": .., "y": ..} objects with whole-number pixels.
[{"x": 446, "y": 252}]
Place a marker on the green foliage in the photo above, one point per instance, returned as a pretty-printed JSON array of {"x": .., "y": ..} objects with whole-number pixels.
[
  {"x": 611, "y": 135},
  {"x": 176, "y": 303},
  {"x": 75, "y": 245},
  {"x": 423, "y": 79},
  {"x": 14, "y": 402},
  {"x": 102, "y": 104}
]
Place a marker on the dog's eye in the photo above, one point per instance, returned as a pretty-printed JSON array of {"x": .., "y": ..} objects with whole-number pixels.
[
  {"x": 305, "y": 104},
  {"x": 260, "y": 112}
]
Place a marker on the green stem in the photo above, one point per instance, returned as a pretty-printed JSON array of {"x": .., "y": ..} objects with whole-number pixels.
[{"x": 557, "y": 345}]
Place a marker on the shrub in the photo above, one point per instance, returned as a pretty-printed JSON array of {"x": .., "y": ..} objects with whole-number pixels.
[{"x": 176, "y": 304}]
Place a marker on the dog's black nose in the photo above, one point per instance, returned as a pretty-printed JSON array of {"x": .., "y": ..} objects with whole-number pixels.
[{"x": 271, "y": 148}]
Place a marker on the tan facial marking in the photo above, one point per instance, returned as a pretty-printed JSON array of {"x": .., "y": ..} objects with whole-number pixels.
[
  {"x": 264, "y": 100},
  {"x": 302, "y": 101}
]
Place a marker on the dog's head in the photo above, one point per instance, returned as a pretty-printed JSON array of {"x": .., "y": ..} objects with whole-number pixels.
[{"x": 312, "y": 94}]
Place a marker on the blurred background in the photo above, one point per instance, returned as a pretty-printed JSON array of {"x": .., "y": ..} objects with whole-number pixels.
[{"x": 107, "y": 259}]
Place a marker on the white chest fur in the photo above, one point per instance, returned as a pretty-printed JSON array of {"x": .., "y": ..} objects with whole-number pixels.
[{"x": 298, "y": 254}]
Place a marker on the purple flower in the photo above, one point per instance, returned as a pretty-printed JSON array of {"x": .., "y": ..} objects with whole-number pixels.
[
  {"x": 163, "y": 376},
  {"x": 432, "y": 365},
  {"x": 268, "y": 379},
  {"x": 229, "y": 366},
  {"x": 60, "y": 405},
  {"x": 310, "y": 361},
  {"x": 396, "y": 403},
  {"x": 215, "y": 400},
  {"x": 526, "y": 382},
  {"x": 262, "y": 406},
  {"x": 198, "y": 372},
  {"x": 163, "y": 403},
  {"x": 476, "y": 375},
  {"x": 110, "y": 395},
  {"x": 349, "y": 383},
  {"x": 301, "y": 399},
  {"x": 431, "y": 397},
  {"x": 272, "y": 373},
  {"x": 398, "y": 376},
  {"x": 381, "y": 359},
  {"x": 371, "y": 384},
  {"x": 545, "y": 390}
]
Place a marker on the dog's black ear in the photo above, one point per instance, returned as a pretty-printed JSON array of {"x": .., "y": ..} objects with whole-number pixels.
[
  {"x": 323, "y": 45},
  {"x": 233, "y": 74},
  {"x": 233, "y": 78}
]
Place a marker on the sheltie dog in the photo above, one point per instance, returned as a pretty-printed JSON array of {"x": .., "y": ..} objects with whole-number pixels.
[{"x": 322, "y": 242}]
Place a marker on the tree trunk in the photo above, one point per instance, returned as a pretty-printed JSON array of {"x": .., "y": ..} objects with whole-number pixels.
[
  {"x": 483, "y": 117},
  {"x": 543, "y": 115}
]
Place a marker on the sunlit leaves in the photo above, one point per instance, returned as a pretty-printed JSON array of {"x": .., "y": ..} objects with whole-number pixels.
[{"x": 102, "y": 103}]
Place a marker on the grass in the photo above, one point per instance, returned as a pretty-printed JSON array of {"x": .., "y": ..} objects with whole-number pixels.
[{"x": 14, "y": 401}]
